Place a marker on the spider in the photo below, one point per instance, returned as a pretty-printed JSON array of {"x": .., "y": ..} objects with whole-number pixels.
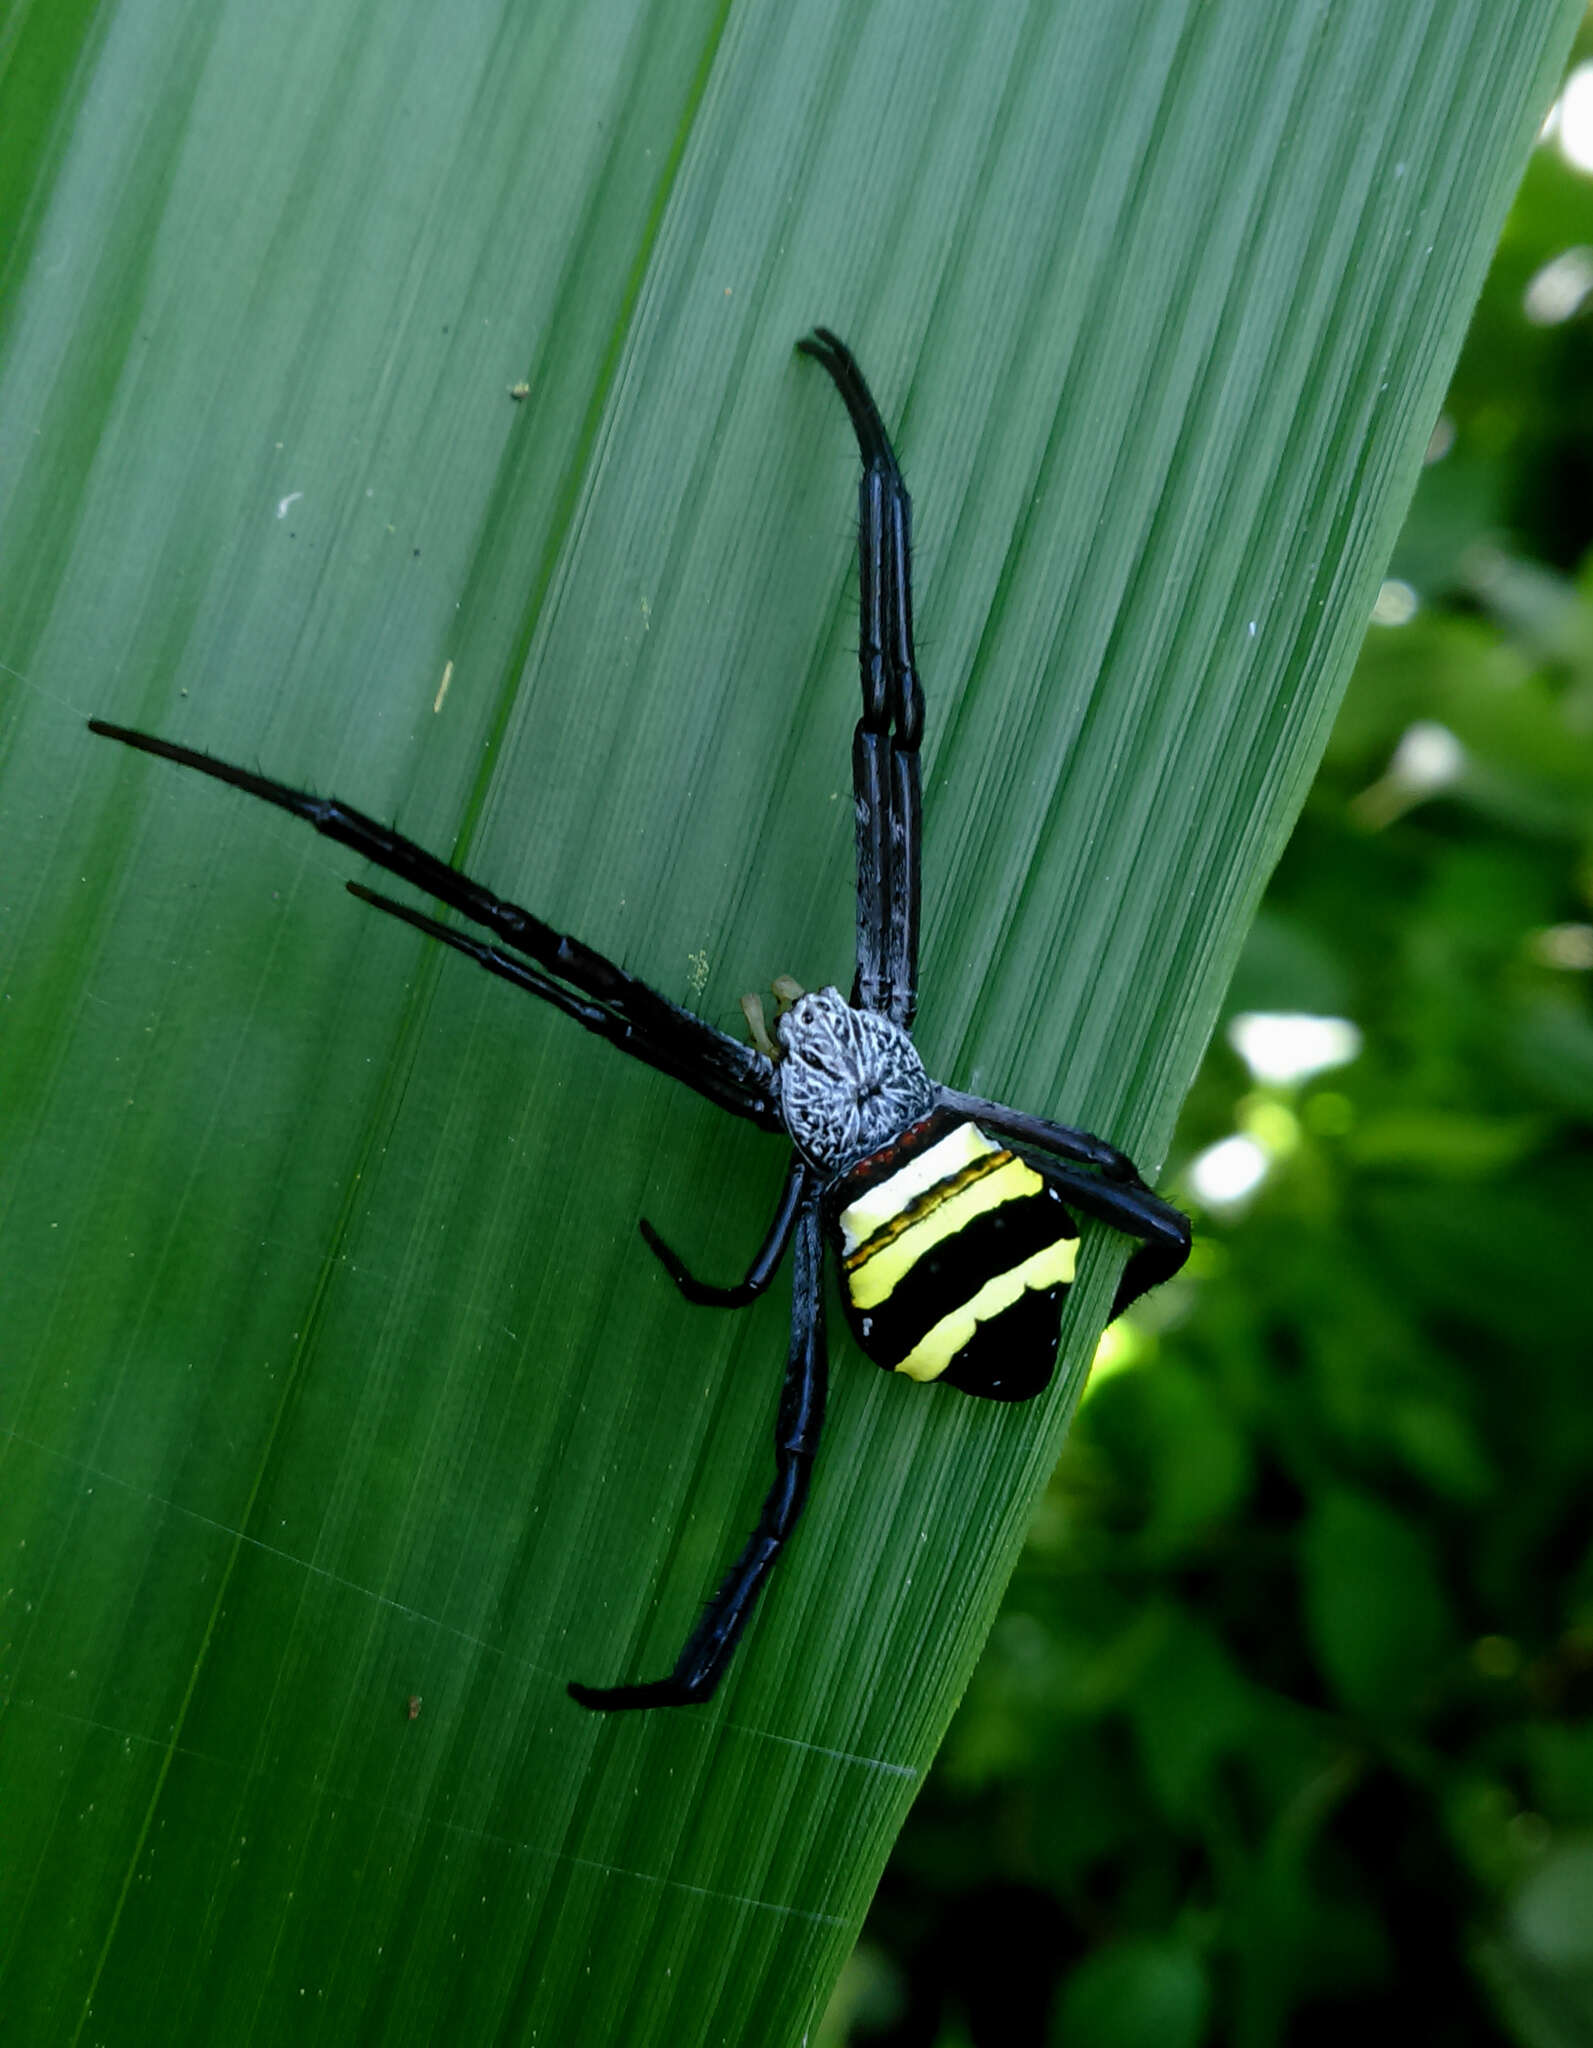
[{"x": 953, "y": 1219}]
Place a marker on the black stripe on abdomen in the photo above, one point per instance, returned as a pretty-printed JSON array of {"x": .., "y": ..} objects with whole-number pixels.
[
  {"x": 1012, "y": 1357},
  {"x": 952, "y": 1272}
]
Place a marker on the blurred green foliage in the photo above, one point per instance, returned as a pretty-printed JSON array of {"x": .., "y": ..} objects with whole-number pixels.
[{"x": 1287, "y": 1727}]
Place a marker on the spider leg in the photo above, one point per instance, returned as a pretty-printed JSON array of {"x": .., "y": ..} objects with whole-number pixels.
[
  {"x": 885, "y": 770},
  {"x": 702, "y": 1663},
  {"x": 766, "y": 1261},
  {"x": 688, "y": 1059},
  {"x": 1115, "y": 1193},
  {"x": 1135, "y": 1210},
  {"x": 1064, "y": 1141},
  {"x": 639, "y": 1020}
]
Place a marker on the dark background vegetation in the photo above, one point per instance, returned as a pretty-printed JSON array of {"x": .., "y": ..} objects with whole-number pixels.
[{"x": 1286, "y": 1732}]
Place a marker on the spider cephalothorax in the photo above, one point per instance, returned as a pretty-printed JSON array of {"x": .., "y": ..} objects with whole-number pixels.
[
  {"x": 849, "y": 1080},
  {"x": 952, "y": 1218}
]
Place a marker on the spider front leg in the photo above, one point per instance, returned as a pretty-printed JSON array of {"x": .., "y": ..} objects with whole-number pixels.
[
  {"x": 691, "y": 1055},
  {"x": 766, "y": 1260},
  {"x": 572, "y": 976},
  {"x": 885, "y": 770},
  {"x": 708, "y": 1650}
]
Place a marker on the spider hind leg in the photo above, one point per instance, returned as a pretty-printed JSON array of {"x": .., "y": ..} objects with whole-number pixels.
[
  {"x": 1136, "y": 1211},
  {"x": 709, "y": 1647},
  {"x": 1114, "y": 1193}
]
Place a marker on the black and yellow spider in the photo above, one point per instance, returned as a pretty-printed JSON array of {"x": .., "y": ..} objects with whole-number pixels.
[{"x": 952, "y": 1217}]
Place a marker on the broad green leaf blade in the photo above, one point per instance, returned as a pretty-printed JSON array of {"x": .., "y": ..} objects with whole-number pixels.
[{"x": 343, "y": 1415}]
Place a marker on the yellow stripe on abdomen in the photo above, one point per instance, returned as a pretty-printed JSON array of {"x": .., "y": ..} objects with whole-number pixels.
[
  {"x": 880, "y": 1205},
  {"x": 936, "y": 1349},
  {"x": 878, "y": 1273}
]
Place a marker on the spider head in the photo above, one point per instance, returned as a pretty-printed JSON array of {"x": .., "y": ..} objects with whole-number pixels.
[{"x": 850, "y": 1080}]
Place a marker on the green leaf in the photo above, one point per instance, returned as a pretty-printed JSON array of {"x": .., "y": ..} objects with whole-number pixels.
[
  {"x": 1192, "y": 1711},
  {"x": 1136, "y": 1994},
  {"x": 343, "y": 1416},
  {"x": 1184, "y": 1458},
  {"x": 1377, "y": 1607}
]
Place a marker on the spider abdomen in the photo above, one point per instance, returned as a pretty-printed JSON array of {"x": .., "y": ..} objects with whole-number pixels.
[{"x": 956, "y": 1254}]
